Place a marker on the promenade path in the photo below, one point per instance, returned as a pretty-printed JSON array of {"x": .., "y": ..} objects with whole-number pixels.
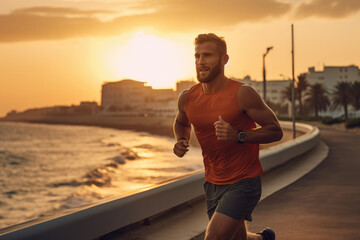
[{"x": 325, "y": 203}]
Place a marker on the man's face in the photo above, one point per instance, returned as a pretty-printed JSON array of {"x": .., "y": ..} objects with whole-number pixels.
[{"x": 208, "y": 62}]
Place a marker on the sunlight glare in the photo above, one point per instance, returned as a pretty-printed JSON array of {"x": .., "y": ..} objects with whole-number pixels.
[{"x": 148, "y": 58}]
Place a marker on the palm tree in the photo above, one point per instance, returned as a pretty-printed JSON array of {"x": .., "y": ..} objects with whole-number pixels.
[
  {"x": 317, "y": 98},
  {"x": 355, "y": 94},
  {"x": 301, "y": 87},
  {"x": 286, "y": 93},
  {"x": 341, "y": 96}
]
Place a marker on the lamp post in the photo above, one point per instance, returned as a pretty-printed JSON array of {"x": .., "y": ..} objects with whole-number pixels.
[{"x": 264, "y": 71}]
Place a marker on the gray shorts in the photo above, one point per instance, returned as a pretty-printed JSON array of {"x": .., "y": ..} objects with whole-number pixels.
[{"x": 236, "y": 200}]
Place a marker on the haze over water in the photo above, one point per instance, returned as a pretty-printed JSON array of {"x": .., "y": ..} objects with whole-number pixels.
[{"x": 47, "y": 168}]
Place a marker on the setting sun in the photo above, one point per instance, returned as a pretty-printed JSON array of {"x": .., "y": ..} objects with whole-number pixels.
[{"x": 149, "y": 58}]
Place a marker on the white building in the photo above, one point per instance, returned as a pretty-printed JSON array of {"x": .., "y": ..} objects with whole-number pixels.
[
  {"x": 331, "y": 75},
  {"x": 273, "y": 88}
]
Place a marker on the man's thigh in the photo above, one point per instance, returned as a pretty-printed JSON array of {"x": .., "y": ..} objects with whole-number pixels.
[
  {"x": 237, "y": 200},
  {"x": 225, "y": 227}
]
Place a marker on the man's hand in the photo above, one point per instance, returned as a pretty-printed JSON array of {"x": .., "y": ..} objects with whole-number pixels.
[
  {"x": 181, "y": 147},
  {"x": 224, "y": 131}
]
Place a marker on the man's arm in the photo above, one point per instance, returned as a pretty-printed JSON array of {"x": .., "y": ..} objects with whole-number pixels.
[
  {"x": 253, "y": 105},
  {"x": 181, "y": 127}
]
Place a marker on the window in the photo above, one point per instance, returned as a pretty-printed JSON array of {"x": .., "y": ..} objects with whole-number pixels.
[{"x": 340, "y": 69}]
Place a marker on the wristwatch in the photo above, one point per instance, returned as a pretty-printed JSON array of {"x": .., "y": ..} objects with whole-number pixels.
[{"x": 241, "y": 137}]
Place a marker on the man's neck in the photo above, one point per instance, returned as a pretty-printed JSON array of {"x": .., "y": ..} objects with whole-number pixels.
[{"x": 215, "y": 85}]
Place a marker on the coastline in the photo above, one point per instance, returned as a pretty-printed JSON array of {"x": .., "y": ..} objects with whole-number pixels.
[
  {"x": 161, "y": 126},
  {"x": 156, "y": 125}
]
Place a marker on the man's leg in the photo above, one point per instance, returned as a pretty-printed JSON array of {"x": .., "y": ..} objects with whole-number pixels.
[{"x": 222, "y": 227}]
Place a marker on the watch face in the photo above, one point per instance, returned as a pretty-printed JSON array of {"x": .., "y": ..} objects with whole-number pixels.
[{"x": 241, "y": 136}]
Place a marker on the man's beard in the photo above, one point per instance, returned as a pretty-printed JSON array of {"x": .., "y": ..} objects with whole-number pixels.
[{"x": 212, "y": 75}]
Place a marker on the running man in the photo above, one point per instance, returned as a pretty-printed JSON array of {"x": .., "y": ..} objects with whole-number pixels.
[{"x": 223, "y": 113}]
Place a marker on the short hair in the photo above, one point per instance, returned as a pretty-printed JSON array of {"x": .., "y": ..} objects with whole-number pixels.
[{"x": 211, "y": 37}]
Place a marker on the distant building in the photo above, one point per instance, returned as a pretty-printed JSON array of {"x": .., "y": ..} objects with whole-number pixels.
[
  {"x": 130, "y": 96},
  {"x": 167, "y": 94},
  {"x": 163, "y": 102},
  {"x": 88, "y": 104},
  {"x": 273, "y": 88},
  {"x": 133, "y": 96},
  {"x": 125, "y": 94},
  {"x": 183, "y": 85},
  {"x": 331, "y": 75}
]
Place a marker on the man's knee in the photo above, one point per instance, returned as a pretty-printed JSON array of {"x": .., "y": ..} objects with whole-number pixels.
[
  {"x": 238, "y": 234},
  {"x": 216, "y": 234},
  {"x": 223, "y": 227}
]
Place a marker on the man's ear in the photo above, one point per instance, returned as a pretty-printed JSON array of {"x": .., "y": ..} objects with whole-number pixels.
[{"x": 225, "y": 59}]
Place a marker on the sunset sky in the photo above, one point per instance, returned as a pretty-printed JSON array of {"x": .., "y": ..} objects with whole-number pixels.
[{"x": 59, "y": 52}]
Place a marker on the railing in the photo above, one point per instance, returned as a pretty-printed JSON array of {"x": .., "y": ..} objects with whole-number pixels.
[{"x": 92, "y": 221}]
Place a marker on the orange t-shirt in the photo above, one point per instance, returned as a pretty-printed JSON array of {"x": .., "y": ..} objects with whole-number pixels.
[{"x": 225, "y": 162}]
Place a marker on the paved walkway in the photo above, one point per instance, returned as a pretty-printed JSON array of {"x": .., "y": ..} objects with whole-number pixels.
[{"x": 325, "y": 203}]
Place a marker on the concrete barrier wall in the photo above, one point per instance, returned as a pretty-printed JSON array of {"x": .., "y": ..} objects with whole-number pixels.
[
  {"x": 111, "y": 214},
  {"x": 280, "y": 154}
]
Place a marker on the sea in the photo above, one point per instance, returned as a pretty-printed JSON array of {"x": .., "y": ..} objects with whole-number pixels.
[{"x": 49, "y": 168}]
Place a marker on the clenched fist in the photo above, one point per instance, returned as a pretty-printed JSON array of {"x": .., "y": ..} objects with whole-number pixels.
[
  {"x": 181, "y": 147},
  {"x": 224, "y": 131}
]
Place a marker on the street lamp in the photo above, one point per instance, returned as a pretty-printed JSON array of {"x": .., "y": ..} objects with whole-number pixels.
[{"x": 264, "y": 71}]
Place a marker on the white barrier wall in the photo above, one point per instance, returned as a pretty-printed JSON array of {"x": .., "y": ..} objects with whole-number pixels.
[{"x": 93, "y": 221}]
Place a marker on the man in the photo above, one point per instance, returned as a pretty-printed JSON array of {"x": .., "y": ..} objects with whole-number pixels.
[{"x": 223, "y": 113}]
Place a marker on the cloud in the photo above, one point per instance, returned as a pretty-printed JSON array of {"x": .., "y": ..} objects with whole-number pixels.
[
  {"x": 57, "y": 11},
  {"x": 50, "y": 23},
  {"x": 327, "y": 8}
]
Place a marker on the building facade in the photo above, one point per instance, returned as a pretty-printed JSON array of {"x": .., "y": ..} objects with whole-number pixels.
[
  {"x": 125, "y": 94},
  {"x": 274, "y": 88},
  {"x": 133, "y": 96},
  {"x": 331, "y": 75},
  {"x": 183, "y": 85}
]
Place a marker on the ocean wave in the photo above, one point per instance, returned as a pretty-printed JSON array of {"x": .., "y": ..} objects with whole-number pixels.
[
  {"x": 72, "y": 183},
  {"x": 140, "y": 179},
  {"x": 116, "y": 160},
  {"x": 129, "y": 154},
  {"x": 7, "y": 157},
  {"x": 145, "y": 146},
  {"x": 100, "y": 176},
  {"x": 77, "y": 199},
  {"x": 15, "y": 192},
  {"x": 115, "y": 144}
]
